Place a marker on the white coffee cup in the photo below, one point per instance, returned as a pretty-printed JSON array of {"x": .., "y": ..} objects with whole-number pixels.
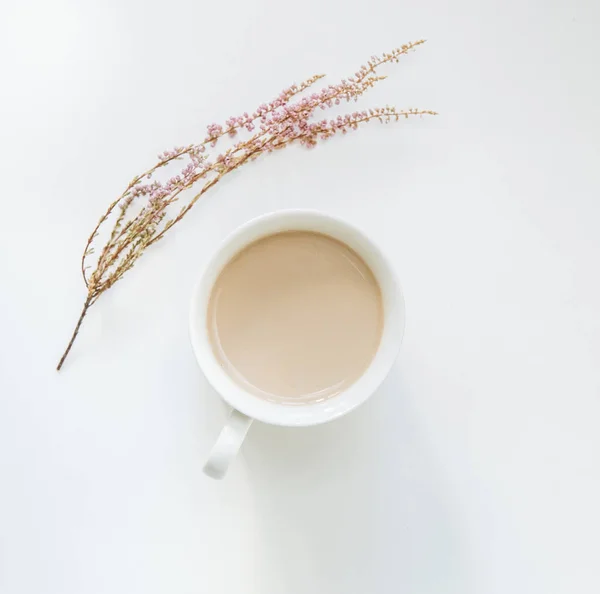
[{"x": 247, "y": 406}]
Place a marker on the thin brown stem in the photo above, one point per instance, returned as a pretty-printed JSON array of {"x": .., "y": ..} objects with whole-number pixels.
[
  {"x": 105, "y": 216},
  {"x": 302, "y": 87},
  {"x": 206, "y": 187},
  {"x": 133, "y": 232},
  {"x": 84, "y": 311}
]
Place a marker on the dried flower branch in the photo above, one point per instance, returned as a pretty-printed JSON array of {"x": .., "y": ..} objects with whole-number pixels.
[{"x": 142, "y": 213}]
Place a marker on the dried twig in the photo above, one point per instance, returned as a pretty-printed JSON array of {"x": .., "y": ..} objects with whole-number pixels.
[{"x": 141, "y": 214}]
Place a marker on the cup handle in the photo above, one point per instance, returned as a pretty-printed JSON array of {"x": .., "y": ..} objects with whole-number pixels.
[{"x": 228, "y": 444}]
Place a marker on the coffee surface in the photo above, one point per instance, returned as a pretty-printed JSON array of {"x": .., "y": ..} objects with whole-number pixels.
[{"x": 295, "y": 317}]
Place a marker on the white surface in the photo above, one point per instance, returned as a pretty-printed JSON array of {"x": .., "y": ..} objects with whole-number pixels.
[{"x": 475, "y": 468}]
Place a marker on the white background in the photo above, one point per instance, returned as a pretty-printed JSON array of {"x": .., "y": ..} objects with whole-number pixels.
[{"x": 474, "y": 470}]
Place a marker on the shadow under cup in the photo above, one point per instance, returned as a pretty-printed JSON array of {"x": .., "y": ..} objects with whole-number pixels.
[{"x": 272, "y": 411}]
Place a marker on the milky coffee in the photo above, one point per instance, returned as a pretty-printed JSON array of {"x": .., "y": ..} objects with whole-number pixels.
[{"x": 295, "y": 317}]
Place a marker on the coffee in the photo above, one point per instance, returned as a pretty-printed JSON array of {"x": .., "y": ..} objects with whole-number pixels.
[{"x": 295, "y": 317}]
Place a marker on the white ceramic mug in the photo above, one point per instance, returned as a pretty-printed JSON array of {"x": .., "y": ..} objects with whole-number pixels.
[{"x": 247, "y": 406}]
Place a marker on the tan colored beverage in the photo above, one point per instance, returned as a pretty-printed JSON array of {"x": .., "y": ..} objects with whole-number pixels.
[{"x": 295, "y": 317}]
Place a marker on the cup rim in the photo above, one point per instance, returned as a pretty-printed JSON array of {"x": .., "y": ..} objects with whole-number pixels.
[{"x": 303, "y": 414}]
